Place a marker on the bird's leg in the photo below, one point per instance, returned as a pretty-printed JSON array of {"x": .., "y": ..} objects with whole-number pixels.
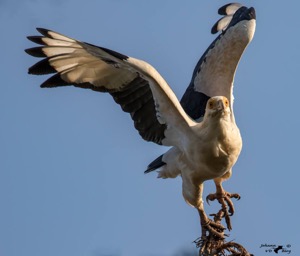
[
  {"x": 224, "y": 198},
  {"x": 209, "y": 227},
  {"x": 212, "y": 232},
  {"x": 192, "y": 191}
]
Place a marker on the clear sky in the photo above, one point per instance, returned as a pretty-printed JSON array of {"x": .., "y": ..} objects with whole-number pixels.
[{"x": 71, "y": 178}]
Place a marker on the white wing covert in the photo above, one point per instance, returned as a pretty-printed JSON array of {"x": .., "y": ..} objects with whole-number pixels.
[{"x": 134, "y": 84}]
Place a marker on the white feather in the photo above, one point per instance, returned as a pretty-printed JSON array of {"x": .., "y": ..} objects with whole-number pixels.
[
  {"x": 232, "y": 8},
  {"x": 217, "y": 72}
]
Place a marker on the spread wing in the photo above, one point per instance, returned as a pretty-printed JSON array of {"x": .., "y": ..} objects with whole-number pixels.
[
  {"x": 214, "y": 72},
  {"x": 134, "y": 84}
]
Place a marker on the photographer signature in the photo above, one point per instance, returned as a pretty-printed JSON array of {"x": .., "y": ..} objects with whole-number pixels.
[{"x": 276, "y": 248}]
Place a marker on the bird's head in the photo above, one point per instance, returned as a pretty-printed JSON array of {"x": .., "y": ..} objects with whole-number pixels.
[{"x": 218, "y": 106}]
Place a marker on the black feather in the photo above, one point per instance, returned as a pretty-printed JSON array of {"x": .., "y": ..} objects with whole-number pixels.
[
  {"x": 194, "y": 103},
  {"x": 36, "y": 52},
  {"x": 222, "y": 10},
  {"x": 158, "y": 162},
  {"x": 42, "y": 68},
  {"x": 54, "y": 81},
  {"x": 136, "y": 98},
  {"x": 44, "y": 32},
  {"x": 214, "y": 29},
  {"x": 36, "y": 39}
]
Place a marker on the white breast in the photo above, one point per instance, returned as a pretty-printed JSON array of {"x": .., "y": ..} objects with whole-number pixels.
[{"x": 215, "y": 151}]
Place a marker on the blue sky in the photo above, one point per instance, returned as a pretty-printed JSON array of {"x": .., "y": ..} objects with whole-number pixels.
[{"x": 71, "y": 180}]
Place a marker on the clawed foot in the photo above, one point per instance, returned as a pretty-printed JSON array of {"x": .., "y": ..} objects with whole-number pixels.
[
  {"x": 212, "y": 236},
  {"x": 224, "y": 199},
  {"x": 212, "y": 229}
]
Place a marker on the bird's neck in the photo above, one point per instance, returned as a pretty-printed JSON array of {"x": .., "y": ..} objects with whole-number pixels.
[
  {"x": 217, "y": 118},
  {"x": 219, "y": 123}
]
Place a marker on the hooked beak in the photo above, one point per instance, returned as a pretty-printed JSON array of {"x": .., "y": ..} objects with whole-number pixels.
[{"x": 220, "y": 106}]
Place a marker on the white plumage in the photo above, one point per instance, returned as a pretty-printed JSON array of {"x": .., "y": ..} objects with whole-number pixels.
[{"x": 201, "y": 130}]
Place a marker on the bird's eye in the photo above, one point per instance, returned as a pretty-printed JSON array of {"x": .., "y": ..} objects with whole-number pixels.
[
  {"x": 226, "y": 103},
  {"x": 211, "y": 105}
]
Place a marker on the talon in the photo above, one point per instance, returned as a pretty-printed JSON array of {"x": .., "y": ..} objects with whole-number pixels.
[
  {"x": 236, "y": 196},
  {"x": 224, "y": 199},
  {"x": 207, "y": 200},
  {"x": 211, "y": 197}
]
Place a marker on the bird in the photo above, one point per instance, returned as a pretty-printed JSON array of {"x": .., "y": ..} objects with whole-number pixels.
[{"x": 200, "y": 129}]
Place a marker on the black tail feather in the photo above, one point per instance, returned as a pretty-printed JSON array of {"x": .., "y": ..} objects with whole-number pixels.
[{"x": 158, "y": 162}]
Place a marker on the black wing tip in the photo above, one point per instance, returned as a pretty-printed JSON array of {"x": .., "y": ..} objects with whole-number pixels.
[
  {"x": 241, "y": 13},
  {"x": 36, "y": 52},
  {"x": 43, "y": 31},
  {"x": 42, "y": 68},
  {"x": 28, "y": 51},
  {"x": 244, "y": 13},
  {"x": 236, "y": 6},
  {"x": 252, "y": 13},
  {"x": 214, "y": 29},
  {"x": 36, "y": 39},
  {"x": 223, "y": 10},
  {"x": 54, "y": 81}
]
